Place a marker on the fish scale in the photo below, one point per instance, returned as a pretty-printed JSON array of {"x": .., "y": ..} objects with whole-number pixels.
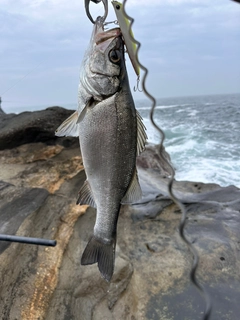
[{"x": 106, "y": 146}]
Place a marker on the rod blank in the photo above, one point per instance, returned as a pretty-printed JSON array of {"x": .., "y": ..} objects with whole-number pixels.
[{"x": 37, "y": 241}]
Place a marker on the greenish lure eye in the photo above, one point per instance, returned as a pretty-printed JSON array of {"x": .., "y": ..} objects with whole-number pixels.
[{"x": 114, "y": 56}]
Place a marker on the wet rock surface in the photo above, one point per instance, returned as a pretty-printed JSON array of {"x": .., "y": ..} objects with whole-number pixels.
[
  {"x": 26, "y": 127},
  {"x": 39, "y": 183}
]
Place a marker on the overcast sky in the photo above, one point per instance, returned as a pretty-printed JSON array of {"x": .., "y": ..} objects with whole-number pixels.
[{"x": 190, "y": 47}]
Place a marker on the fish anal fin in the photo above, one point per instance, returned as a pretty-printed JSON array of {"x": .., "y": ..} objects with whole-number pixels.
[
  {"x": 69, "y": 127},
  {"x": 102, "y": 253},
  {"x": 141, "y": 134},
  {"x": 134, "y": 192},
  {"x": 85, "y": 195}
]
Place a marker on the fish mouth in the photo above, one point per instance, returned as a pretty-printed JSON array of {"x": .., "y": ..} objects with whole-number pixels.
[
  {"x": 104, "y": 38},
  {"x": 106, "y": 35}
]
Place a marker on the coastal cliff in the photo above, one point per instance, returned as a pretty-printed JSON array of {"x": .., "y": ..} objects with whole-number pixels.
[{"x": 40, "y": 176}]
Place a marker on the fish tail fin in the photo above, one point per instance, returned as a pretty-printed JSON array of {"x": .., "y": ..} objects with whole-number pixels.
[{"x": 103, "y": 254}]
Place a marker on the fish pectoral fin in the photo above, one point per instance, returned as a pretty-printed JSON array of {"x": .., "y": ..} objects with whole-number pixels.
[
  {"x": 90, "y": 103},
  {"x": 141, "y": 134},
  {"x": 85, "y": 195},
  {"x": 82, "y": 114},
  {"x": 69, "y": 127},
  {"x": 134, "y": 192},
  {"x": 103, "y": 254}
]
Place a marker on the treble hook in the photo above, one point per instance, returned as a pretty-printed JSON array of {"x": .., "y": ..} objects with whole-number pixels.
[
  {"x": 137, "y": 88},
  {"x": 105, "y": 3}
]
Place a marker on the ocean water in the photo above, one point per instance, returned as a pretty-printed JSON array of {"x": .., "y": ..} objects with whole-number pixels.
[{"x": 202, "y": 136}]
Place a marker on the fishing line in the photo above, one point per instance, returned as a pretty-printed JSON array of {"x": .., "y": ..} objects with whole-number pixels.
[
  {"x": 20, "y": 79},
  {"x": 204, "y": 293}
]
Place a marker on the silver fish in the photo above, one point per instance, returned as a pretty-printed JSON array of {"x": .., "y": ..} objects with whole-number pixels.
[{"x": 111, "y": 135}]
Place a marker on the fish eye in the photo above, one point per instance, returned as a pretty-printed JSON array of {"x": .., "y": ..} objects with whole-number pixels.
[{"x": 114, "y": 55}]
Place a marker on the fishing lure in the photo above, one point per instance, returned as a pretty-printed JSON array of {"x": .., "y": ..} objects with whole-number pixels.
[{"x": 127, "y": 33}]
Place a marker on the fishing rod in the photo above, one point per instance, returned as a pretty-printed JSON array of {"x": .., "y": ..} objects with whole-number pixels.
[{"x": 28, "y": 240}]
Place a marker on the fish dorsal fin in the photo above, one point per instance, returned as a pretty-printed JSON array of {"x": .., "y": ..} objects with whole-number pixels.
[
  {"x": 69, "y": 127},
  {"x": 141, "y": 134},
  {"x": 134, "y": 192},
  {"x": 85, "y": 195}
]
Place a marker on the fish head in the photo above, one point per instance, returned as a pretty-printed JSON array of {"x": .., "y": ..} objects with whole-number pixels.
[{"x": 105, "y": 60}]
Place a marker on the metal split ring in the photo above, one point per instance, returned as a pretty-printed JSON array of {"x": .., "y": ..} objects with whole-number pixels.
[{"x": 105, "y": 3}]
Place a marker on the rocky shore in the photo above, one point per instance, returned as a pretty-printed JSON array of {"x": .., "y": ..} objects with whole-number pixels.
[{"x": 40, "y": 176}]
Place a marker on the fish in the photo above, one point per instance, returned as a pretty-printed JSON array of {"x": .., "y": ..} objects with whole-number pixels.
[{"x": 111, "y": 135}]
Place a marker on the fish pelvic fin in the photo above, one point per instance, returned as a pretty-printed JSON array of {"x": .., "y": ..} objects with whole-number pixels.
[
  {"x": 85, "y": 195},
  {"x": 134, "y": 192},
  {"x": 69, "y": 127},
  {"x": 101, "y": 252}
]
